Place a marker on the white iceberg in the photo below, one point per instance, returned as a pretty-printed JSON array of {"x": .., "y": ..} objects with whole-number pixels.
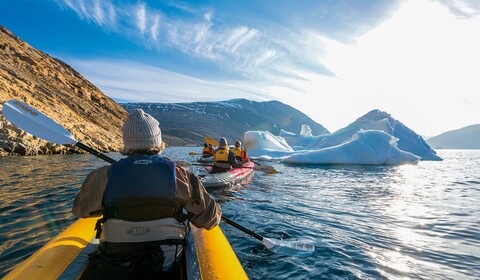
[
  {"x": 371, "y": 147},
  {"x": 374, "y": 120},
  {"x": 260, "y": 142},
  {"x": 365, "y": 147}
]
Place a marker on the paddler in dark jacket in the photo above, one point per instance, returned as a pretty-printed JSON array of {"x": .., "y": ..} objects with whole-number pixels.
[
  {"x": 224, "y": 159},
  {"x": 142, "y": 198}
]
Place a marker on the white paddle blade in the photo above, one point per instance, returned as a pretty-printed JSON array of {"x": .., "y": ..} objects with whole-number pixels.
[
  {"x": 270, "y": 243},
  {"x": 288, "y": 247},
  {"x": 36, "y": 123},
  {"x": 265, "y": 168}
]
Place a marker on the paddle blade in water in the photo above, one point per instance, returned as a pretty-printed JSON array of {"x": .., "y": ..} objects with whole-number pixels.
[
  {"x": 36, "y": 123},
  {"x": 265, "y": 168},
  {"x": 289, "y": 248}
]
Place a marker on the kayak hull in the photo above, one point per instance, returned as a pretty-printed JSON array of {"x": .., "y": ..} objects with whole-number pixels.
[
  {"x": 229, "y": 178},
  {"x": 208, "y": 255}
]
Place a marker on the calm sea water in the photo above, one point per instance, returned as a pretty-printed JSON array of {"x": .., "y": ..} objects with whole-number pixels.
[{"x": 367, "y": 222}]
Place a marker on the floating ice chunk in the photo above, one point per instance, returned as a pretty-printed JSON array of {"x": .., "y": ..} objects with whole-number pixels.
[
  {"x": 257, "y": 141},
  {"x": 306, "y": 130},
  {"x": 365, "y": 147}
]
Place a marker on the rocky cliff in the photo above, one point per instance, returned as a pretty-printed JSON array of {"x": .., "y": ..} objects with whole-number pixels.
[{"x": 56, "y": 89}]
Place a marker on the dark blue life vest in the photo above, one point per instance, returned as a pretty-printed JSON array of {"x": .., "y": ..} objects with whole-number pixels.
[{"x": 141, "y": 188}]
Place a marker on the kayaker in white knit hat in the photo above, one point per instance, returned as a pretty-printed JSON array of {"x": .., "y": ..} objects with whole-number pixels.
[
  {"x": 141, "y": 132},
  {"x": 142, "y": 198}
]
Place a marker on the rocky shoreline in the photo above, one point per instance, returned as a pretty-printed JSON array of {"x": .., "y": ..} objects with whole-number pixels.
[{"x": 57, "y": 90}]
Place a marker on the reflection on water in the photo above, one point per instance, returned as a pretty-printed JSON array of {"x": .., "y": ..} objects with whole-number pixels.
[
  {"x": 412, "y": 221},
  {"x": 35, "y": 201}
]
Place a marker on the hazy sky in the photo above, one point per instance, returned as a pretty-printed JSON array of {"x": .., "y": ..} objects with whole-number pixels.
[{"x": 418, "y": 60}]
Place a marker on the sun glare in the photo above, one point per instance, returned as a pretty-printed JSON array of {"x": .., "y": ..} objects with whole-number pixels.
[{"x": 423, "y": 56}]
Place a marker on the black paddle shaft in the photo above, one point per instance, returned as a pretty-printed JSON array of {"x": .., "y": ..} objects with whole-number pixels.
[
  {"x": 95, "y": 152},
  {"x": 246, "y": 230}
]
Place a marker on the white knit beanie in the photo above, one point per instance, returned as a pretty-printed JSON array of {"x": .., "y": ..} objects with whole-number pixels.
[{"x": 141, "y": 131}]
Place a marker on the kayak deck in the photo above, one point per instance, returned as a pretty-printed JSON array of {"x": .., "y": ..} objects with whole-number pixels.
[{"x": 208, "y": 254}]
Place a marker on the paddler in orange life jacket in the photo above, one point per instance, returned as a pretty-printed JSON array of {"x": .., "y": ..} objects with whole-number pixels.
[
  {"x": 208, "y": 150},
  {"x": 224, "y": 159},
  {"x": 239, "y": 152},
  {"x": 142, "y": 198}
]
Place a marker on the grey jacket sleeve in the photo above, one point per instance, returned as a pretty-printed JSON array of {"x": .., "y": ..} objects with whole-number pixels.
[
  {"x": 204, "y": 212},
  {"x": 88, "y": 201}
]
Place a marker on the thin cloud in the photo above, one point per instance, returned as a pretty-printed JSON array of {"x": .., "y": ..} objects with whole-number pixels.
[
  {"x": 237, "y": 37},
  {"x": 141, "y": 21},
  {"x": 76, "y": 7},
  {"x": 155, "y": 29},
  {"x": 463, "y": 8},
  {"x": 112, "y": 15},
  {"x": 263, "y": 58},
  {"x": 102, "y": 13},
  {"x": 137, "y": 82},
  {"x": 240, "y": 49}
]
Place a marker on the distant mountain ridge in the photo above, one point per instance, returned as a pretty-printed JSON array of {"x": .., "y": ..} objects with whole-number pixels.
[
  {"x": 189, "y": 123},
  {"x": 57, "y": 90},
  {"x": 464, "y": 138}
]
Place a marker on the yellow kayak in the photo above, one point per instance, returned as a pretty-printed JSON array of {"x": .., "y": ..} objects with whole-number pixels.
[{"x": 208, "y": 255}]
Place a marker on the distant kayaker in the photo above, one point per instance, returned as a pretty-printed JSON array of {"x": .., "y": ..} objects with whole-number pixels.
[
  {"x": 239, "y": 152},
  {"x": 207, "y": 151},
  {"x": 142, "y": 198},
  {"x": 224, "y": 159}
]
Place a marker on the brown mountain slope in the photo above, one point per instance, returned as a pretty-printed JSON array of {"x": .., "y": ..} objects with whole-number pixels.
[{"x": 56, "y": 89}]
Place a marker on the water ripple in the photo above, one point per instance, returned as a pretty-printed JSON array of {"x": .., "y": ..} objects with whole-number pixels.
[{"x": 366, "y": 222}]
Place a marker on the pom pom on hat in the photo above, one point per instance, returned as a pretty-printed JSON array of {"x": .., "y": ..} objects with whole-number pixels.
[{"x": 141, "y": 131}]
